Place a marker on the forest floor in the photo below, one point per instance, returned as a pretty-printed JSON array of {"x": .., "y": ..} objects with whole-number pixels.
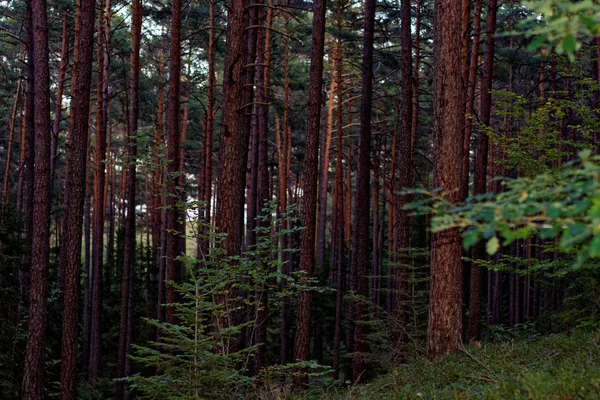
[{"x": 557, "y": 366}]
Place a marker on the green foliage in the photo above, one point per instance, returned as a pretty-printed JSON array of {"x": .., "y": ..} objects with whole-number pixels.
[
  {"x": 562, "y": 204},
  {"x": 560, "y": 24},
  {"x": 541, "y": 129},
  {"x": 198, "y": 357}
]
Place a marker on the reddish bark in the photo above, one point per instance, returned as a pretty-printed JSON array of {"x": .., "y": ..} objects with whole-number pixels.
[
  {"x": 33, "y": 380},
  {"x": 307, "y": 245},
  {"x": 445, "y": 318}
]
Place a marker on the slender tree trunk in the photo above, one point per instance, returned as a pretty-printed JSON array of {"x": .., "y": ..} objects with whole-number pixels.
[
  {"x": 445, "y": 317},
  {"x": 33, "y": 380},
  {"x": 64, "y": 62},
  {"x": 210, "y": 115},
  {"x": 480, "y": 169},
  {"x": 173, "y": 269},
  {"x": 23, "y": 142},
  {"x": 404, "y": 221},
  {"x": 126, "y": 321},
  {"x": 263, "y": 72},
  {"x": 283, "y": 187},
  {"x": 324, "y": 177},
  {"x": 470, "y": 108},
  {"x": 417, "y": 61},
  {"x": 157, "y": 179},
  {"x": 75, "y": 187},
  {"x": 338, "y": 211},
  {"x": 307, "y": 245},
  {"x": 87, "y": 241},
  {"x": 360, "y": 234},
  {"x": 9, "y": 150},
  {"x": 99, "y": 183}
]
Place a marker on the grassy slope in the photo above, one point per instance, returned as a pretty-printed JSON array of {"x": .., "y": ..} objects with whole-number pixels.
[{"x": 552, "y": 367}]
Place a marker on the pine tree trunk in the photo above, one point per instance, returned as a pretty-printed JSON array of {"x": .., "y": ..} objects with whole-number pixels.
[
  {"x": 445, "y": 317},
  {"x": 11, "y": 132},
  {"x": 234, "y": 136},
  {"x": 126, "y": 320},
  {"x": 311, "y": 166},
  {"x": 75, "y": 186},
  {"x": 263, "y": 72},
  {"x": 338, "y": 210},
  {"x": 173, "y": 268},
  {"x": 33, "y": 380},
  {"x": 480, "y": 169},
  {"x": 283, "y": 188},
  {"x": 325, "y": 146},
  {"x": 64, "y": 53},
  {"x": 405, "y": 153},
  {"x": 360, "y": 234}
]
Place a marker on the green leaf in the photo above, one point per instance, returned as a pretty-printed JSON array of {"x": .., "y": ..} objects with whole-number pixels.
[
  {"x": 594, "y": 250},
  {"x": 470, "y": 238},
  {"x": 538, "y": 42},
  {"x": 585, "y": 154},
  {"x": 492, "y": 245}
]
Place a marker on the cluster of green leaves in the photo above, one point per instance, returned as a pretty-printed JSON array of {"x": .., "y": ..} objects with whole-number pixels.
[
  {"x": 563, "y": 204},
  {"x": 541, "y": 129},
  {"x": 560, "y": 24}
]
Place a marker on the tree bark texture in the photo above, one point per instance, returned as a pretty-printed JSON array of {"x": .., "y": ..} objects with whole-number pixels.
[{"x": 445, "y": 317}]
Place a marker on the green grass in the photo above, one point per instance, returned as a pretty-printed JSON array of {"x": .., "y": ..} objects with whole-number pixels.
[{"x": 558, "y": 366}]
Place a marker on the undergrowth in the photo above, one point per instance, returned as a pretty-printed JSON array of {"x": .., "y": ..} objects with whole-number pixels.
[{"x": 559, "y": 366}]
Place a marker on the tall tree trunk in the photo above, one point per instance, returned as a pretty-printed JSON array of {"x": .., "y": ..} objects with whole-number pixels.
[
  {"x": 87, "y": 223},
  {"x": 338, "y": 210},
  {"x": 9, "y": 150},
  {"x": 263, "y": 72},
  {"x": 445, "y": 317},
  {"x": 64, "y": 62},
  {"x": 283, "y": 187},
  {"x": 210, "y": 117},
  {"x": 78, "y": 143},
  {"x": 126, "y": 321},
  {"x": 311, "y": 166},
  {"x": 99, "y": 205},
  {"x": 233, "y": 156},
  {"x": 480, "y": 168},
  {"x": 158, "y": 177},
  {"x": 405, "y": 152},
  {"x": 470, "y": 107},
  {"x": 33, "y": 380},
  {"x": 324, "y": 176},
  {"x": 360, "y": 234},
  {"x": 173, "y": 269}
]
